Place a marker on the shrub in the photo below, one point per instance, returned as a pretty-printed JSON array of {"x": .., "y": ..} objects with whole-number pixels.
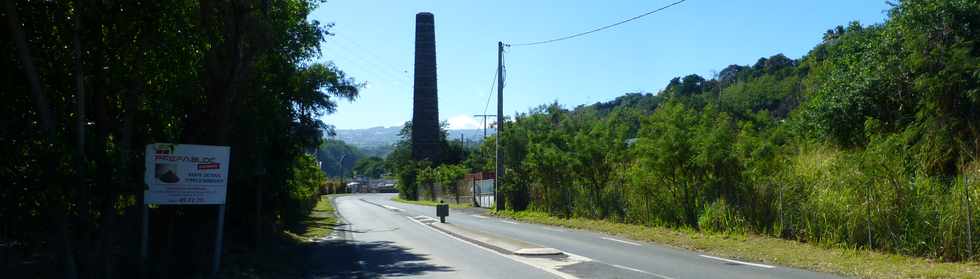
[{"x": 719, "y": 216}]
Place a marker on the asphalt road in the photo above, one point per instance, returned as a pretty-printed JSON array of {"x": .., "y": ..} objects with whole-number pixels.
[{"x": 389, "y": 242}]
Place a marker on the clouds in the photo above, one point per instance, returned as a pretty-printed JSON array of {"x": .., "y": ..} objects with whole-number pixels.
[{"x": 463, "y": 121}]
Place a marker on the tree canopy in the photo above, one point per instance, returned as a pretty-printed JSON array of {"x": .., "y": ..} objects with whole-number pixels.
[
  {"x": 87, "y": 84},
  {"x": 874, "y": 130}
]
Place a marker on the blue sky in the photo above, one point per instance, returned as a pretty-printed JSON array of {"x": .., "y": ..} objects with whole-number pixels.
[{"x": 374, "y": 43}]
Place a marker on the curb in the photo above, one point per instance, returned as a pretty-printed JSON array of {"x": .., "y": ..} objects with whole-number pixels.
[{"x": 496, "y": 243}]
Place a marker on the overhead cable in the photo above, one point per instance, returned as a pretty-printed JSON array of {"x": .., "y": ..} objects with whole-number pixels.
[{"x": 596, "y": 29}]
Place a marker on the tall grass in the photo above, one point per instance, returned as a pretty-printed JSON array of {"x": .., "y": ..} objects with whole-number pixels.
[{"x": 866, "y": 199}]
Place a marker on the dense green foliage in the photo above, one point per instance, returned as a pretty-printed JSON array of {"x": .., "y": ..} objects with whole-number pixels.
[
  {"x": 866, "y": 141},
  {"x": 304, "y": 189},
  {"x": 379, "y": 151},
  {"x": 371, "y": 167},
  {"x": 338, "y": 158},
  {"x": 87, "y": 84},
  {"x": 419, "y": 179}
]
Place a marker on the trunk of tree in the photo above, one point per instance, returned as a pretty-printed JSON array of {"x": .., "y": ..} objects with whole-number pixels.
[
  {"x": 61, "y": 236},
  {"x": 457, "y": 192},
  {"x": 108, "y": 180},
  {"x": 106, "y": 239},
  {"x": 85, "y": 199},
  {"x": 226, "y": 65},
  {"x": 258, "y": 211},
  {"x": 24, "y": 54},
  {"x": 130, "y": 103},
  {"x": 63, "y": 239},
  {"x": 432, "y": 190}
]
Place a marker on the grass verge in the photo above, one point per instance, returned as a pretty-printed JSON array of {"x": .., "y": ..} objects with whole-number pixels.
[
  {"x": 845, "y": 261},
  {"x": 284, "y": 254},
  {"x": 319, "y": 224},
  {"x": 431, "y": 203}
]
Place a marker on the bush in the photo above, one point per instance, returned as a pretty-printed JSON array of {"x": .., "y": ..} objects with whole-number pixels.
[
  {"x": 304, "y": 187},
  {"x": 407, "y": 187},
  {"x": 333, "y": 187},
  {"x": 719, "y": 216}
]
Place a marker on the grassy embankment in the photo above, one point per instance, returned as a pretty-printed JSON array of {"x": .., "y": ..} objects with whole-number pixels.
[
  {"x": 750, "y": 247},
  {"x": 463, "y": 204},
  {"x": 285, "y": 255},
  {"x": 319, "y": 224}
]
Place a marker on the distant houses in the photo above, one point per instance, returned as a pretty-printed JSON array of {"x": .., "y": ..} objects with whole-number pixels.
[{"x": 367, "y": 185}]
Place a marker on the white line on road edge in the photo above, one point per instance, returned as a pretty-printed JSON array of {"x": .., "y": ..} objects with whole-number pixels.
[
  {"x": 514, "y": 258},
  {"x": 739, "y": 262},
  {"x": 509, "y": 222},
  {"x": 642, "y": 271},
  {"x": 480, "y": 216},
  {"x": 554, "y": 230},
  {"x": 622, "y": 241},
  {"x": 392, "y": 208}
]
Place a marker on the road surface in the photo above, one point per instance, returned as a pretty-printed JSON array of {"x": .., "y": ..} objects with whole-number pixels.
[{"x": 388, "y": 240}]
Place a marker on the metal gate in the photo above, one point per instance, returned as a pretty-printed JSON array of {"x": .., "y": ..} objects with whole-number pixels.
[{"x": 483, "y": 192}]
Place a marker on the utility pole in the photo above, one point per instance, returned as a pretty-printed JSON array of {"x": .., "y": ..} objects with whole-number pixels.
[
  {"x": 484, "y": 116},
  {"x": 500, "y": 126},
  {"x": 340, "y": 164}
]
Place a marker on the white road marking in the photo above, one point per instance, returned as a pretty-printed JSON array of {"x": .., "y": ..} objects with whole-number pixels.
[
  {"x": 554, "y": 229},
  {"x": 641, "y": 271},
  {"x": 509, "y": 222},
  {"x": 392, "y": 208},
  {"x": 480, "y": 216},
  {"x": 622, "y": 241},
  {"x": 738, "y": 262},
  {"x": 523, "y": 260}
]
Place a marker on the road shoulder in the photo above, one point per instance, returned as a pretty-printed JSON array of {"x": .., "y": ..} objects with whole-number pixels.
[{"x": 766, "y": 250}]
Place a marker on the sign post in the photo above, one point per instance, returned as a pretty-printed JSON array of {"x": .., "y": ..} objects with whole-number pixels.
[
  {"x": 143, "y": 241},
  {"x": 180, "y": 174},
  {"x": 215, "y": 266}
]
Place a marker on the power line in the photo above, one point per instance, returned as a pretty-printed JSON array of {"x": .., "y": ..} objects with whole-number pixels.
[
  {"x": 362, "y": 63},
  {"x": 375, "y": 59},
  {"x": 484, "y": 116},
  {"x": 382, "y": 70},
  {"x": 490, "y": 92},
  {"x": 597, "y": 29}
]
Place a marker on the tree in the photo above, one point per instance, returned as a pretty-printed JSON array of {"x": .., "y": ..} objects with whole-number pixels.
[
  {"x": 372, "y": 167},
  {"x": 427, "y": 176},
  {"x": 878, "y": 117},
  {"x": 338, "y": 158},
  {"x": 448, "y": 177},
  {"x": 136, "y": 73},
  {"x": 666, "y": 150}
]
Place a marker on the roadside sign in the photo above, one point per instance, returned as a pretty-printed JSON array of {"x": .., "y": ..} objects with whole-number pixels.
[{"x": 186, "y": 174}]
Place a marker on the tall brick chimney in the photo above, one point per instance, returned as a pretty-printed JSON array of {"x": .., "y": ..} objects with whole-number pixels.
[{"x": 425, "y": 111}]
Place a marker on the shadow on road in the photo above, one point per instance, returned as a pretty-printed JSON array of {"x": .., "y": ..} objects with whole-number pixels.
[{"x": 347, "y": 259}]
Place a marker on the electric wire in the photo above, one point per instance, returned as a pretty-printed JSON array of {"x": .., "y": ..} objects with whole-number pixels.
[
  {"x": 362, "y": 63},
  {"x": 490, "y": 93},
  {"x": 597, "y": 29},
  {"x": 375, "y": 59},
  {"x": 382, "y": 70}
]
